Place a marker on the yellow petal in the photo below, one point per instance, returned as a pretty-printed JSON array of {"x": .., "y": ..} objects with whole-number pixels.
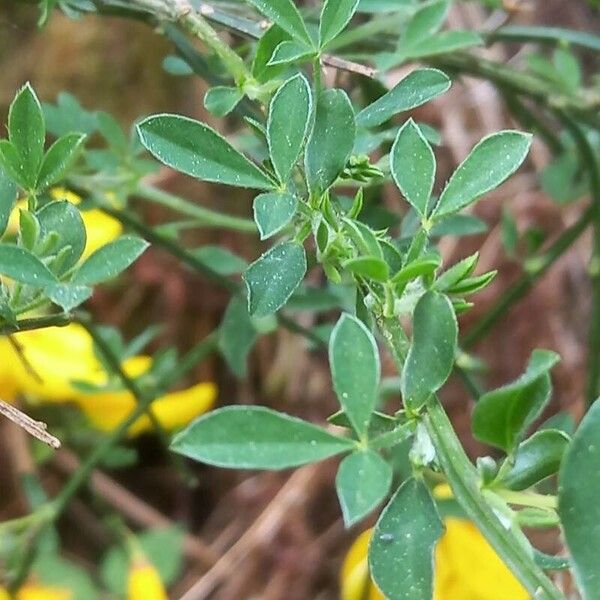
[
  {"x": 106, "y": 410},
  {"x": 39, "y": 592},
  {"x": 57, "y": 355},
  {"x": 100, "y": 228},
  {"x": 143, "y": 583},
  {"x": 466, "y": 568},
  {"x": 355, "y": 572}
]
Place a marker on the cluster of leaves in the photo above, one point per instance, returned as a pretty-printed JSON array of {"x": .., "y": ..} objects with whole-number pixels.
[
  {"x": 310, "y": 136},
  {"x": 314, "y": 176},
  {"x": 42, "y": 262}
]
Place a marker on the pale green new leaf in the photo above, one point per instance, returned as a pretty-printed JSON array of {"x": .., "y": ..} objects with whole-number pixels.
[
  {"x": 197, "y": 150},
  {"x": 355, "y": 370},
  {"x": 110, "y": 260},
  {"x": 417, "y": 88},
  {"x": 431, "y": 355},
  {"x": 403, "y": 542},
  {"x": 272, "y": 278},
  {"x": 412, "y": 164},
  {"x": 254, "y": 437},
  {"x": 273, "y": 211},
  {"x": 287, "y": 125},
  {"x": 331, "y": 140},
  {"x": 336, "y": 14},
  {"x": 491, "y": 162},
  {"x": 363, "y": 480}
]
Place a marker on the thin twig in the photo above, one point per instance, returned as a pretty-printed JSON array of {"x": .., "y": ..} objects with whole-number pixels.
[{"x": 37, "y": 429}]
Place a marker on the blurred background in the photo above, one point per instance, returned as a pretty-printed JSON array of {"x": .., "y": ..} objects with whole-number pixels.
[{"x": 276, "y": 535}]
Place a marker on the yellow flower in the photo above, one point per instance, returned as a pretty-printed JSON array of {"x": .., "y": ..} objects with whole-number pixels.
[
  {"x": 466, "y": 568},
  {"x": 143, "y": 582},
  {"x": 32, "y": 591},
  {"x": 61, "y": 355}
]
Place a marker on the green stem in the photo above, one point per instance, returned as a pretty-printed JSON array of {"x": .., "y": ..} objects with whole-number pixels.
[
  {"x": 194, "y": 23},
  {"x": 115, "y": 366},
  {"x": 59, "y": 320},
  {"x": 464, "y": 481},
  {"x": 207, "y": 217},
  {"x": 80, "y": 477},
  {"x": 528, "y": 499},
  {"x": 585, "y": 106},
  {"x": 590, "y": 161},
  {"x": 535, "y": 268},
  {"x": 192, "y": 261}
]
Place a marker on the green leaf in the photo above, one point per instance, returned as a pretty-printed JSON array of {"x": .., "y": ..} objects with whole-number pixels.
[
  {"x": 197, "y": 150},
  {"x": 458, "y": 225},
  {"x": 12, "y": 164},
  {"x": 335, "y": 15},
  {"x": 254, "y": 437},
  {"x": 287, "y": 125},
  {"x": 491, "y": 162},
  {"x": 273, "y": 211},
  {"x": 27, "y": 131},
  {"x": 53, "y": 571},
  {"x": 331, "y": 140},
  {"x": 285, "y": 14},
  {"x": 355, "y": 370},
  {"x": 371, "y": 267},
  {"x": 272, "y": 278},
  {"x": 64, "y": 219},
  {"x": 363, "y": 480},
  {"x": 110, "y": 260},
  {"x": 220, "y": 260},
  {"x": 578, "y": 506},
  {"x": 417, "y": 88},
  {"x": 237, "y": 335},
  {"x": 456, "y": 273},
  {"x": 501, "y": 416},
  {"x": 68, "y": 296},
  {"x": 288, "y": 52},
  {"x": 412, "y": 164},
  {"x": 584, "y": 39},
  {"x": 402, "y": 546},
  {"x": 270, "y": 40},
  {"x": 431, "y": 355},
  {"x": 162, "y": 546},
  {"x": 21, "y": 265},
  {"x": 424, "y": 23},
  {"x": 441, "y": 43},
  {"x": 58, "y": 159},
  {"x": 536, "y": 459},
  {"x": 425, "y": 265},
  {"x": 221, "y": 100},
  {"x": 8, "y": 196}
]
